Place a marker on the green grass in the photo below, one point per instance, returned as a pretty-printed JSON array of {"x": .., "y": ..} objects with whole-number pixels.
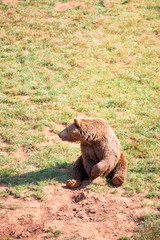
[
  {"x": 52, "y": 233},
  {"x": 87, "y": 61},
  {"x": 149, "y": 228},
  {"x": 124, "y": 238},
  {"x": 57, "y": 233}
]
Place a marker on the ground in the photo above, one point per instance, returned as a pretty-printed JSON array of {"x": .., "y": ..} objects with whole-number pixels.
[
  {"x": 79, "y": 214},
  {"x": 64, "y": 59}
]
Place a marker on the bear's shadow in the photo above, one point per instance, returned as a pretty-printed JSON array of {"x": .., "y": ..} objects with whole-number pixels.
[{"x": 59, "y": 173}]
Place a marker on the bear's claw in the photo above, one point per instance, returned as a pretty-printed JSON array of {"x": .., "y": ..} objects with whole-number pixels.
[{"x": 72, "y": 183}]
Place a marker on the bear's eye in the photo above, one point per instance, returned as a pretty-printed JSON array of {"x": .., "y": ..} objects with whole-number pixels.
[
  {"x": 78, "y": 129},
  {"x": 80, "y": 132}
]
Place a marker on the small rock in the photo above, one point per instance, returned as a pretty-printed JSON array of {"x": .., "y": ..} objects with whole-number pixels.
[{"x": 92, "y": 211}]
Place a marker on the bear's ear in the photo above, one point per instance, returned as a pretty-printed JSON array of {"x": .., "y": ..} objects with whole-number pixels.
[{"x": 77, "y": 122}]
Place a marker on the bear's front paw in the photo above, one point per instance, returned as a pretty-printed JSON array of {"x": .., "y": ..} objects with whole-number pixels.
[
  {"x": 98, "y": 181},
  {"x": 95, "y": 172},
  {"x": 118, "y": 180},
  {"x": 72, "y": 183}
]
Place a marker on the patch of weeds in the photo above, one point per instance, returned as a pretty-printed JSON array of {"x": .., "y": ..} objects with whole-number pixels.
[
  {"x": 38, "y": 196},
  {"x": 97, "y": 188},
  {"x": 71, "y": 238},
  {"x": 57, "y": 233},
  {"x": 36, "y": 191},
  {"x": 153, "y": 194},
  {"x": 156, "y": 205},
  {"x": 124, "y": 2},
  {"x": 10, "y": 149},
  {"x": 114, "y": 191},
  {"x": 49, "y": 235},
  {"x": 149, "y": 228},
  {"x": 13, "y": 192},
  {"x": 17, "y": 193},
  {"x": 4, "y": 160},
  {"x": 10, "y": 191},
  {"x": 154, "y": 191},
  {"x": 50, "y": 229},
  {"x": 2, "y": 206},
  {"x": 13, "y": 207},
  {"x": 114, "y": 104},
  {"x": 4, "y": 194},
  {"x": 124, "y": 238},
  {"x": 134, "y": 184},
  {"x": 144, "y": 204},
  {"x": 100, "y": 4}
]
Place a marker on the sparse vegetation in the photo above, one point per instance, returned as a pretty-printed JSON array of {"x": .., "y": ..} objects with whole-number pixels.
[
  {"x": 57, "y": 233},
  {"x": 48, "y": 236},
  {"x": 149, "y": 228},
  {"x": 124, "y": 238},
  {"x": 91, "y": 61},
  {"x": 2, "y": 206}
]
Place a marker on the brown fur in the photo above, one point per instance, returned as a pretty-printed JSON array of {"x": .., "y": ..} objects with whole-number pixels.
[{"x": 101, "y": 152}]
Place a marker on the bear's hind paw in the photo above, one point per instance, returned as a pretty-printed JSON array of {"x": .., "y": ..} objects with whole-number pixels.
[
  {"x": 118, "y": 180},
  {"x": 72, "y": 183}
]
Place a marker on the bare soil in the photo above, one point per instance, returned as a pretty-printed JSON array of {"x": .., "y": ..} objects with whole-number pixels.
[
  {"x": 68, "y": 5},
  {"x": 11, "y": 1},
  {"x": 72, "y": 214}
]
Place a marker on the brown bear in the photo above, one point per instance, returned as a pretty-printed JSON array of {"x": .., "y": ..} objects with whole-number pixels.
[{"x": 101, "y": 152}]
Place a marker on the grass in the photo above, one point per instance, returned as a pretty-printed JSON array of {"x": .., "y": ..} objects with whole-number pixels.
[
  {"x": 124, "y": 238},
  {"x": 52, "y": 233},
  {"x": 149, "y": 228},
  {"x": 57, "y": 233},
  {"x": 89, "y": 61}
]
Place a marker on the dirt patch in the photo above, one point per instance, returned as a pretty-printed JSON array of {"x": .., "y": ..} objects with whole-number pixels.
[
  {"x": 60, "y": 84},
  {"x": 4, "y": 144},
  {"x": 33, "y": 90},
  {"x": 78, "y": 214},
  {"x": 21, "y": 154},
  {"x": 52, "y": 137},
  {"x": 47, "y": 132},
  {"x": 24, "y": 97},
  {"x": 3, "y": 153},
  {"x": 11, "y": 1},
  {"x": 119, "y": 113},
  {"x": 60, "y": 127},
  {"x": 132, "y": 140},
  {"x": 68, "y": 5}
]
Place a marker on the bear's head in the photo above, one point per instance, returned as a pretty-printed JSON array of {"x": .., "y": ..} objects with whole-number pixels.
[
  {"x": 70, "y": 133},
  {"x": 84, "y": 130}
]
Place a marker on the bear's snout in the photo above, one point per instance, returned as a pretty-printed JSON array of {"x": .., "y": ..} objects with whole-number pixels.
[{"x": 62, "y": 135}]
